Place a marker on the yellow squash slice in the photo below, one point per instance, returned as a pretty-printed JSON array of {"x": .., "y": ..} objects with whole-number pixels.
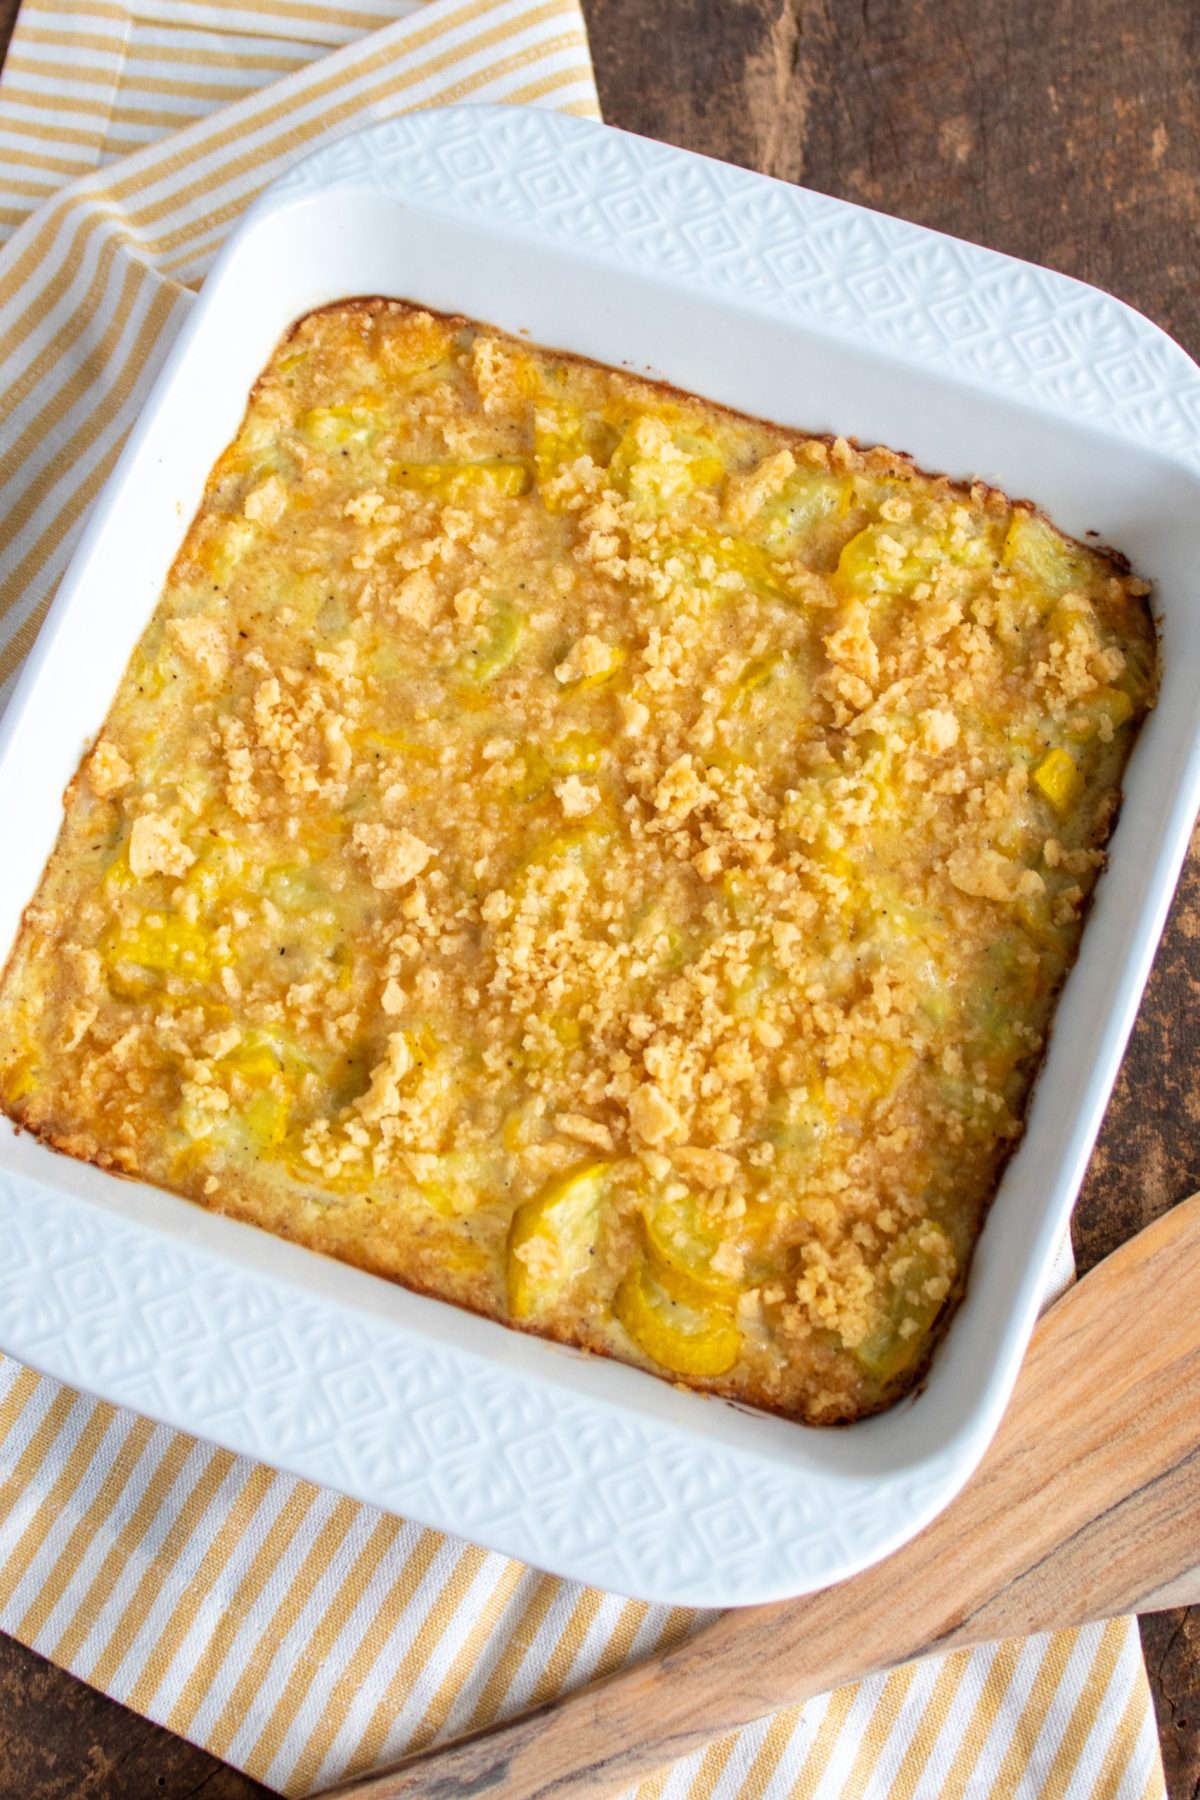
[
  {"x": 499, "y": 648},
  {"x": 502, "y": 475},
  {"x": 1059, "y": 779},
  {"x": 551, "y": 1239},
  {"x": 1049, "y": 562},
  {"x": 681, "y": 1242},
  {"x": 688, "y": 1339},
  {"x": 919, "y": 1277}
]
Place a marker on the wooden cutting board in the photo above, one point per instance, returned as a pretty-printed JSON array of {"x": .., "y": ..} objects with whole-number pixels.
[{"x": 1086, "y": 1505}]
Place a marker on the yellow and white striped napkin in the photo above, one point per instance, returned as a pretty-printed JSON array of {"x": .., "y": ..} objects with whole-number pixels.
[{"x": 294, "y": 1632}]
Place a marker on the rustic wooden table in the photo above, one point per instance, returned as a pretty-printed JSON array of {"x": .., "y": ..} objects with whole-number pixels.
[{"x": 1067, "y": 133}]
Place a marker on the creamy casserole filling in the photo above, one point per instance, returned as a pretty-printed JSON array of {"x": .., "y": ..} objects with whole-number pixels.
[{"x": 588, "y": 855}]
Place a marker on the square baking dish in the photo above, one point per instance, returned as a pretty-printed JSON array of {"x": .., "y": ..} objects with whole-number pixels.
[{"x": 784, "y": 304}]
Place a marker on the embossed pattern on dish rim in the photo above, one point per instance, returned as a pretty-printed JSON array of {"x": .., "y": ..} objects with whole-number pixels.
[{"x": 786, "y": 303}]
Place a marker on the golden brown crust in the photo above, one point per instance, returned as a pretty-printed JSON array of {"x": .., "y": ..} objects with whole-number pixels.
[{"x": 675, "y": 831}]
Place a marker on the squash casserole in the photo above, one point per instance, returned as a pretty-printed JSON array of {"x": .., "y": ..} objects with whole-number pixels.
[{"x": 587, "y": 855}]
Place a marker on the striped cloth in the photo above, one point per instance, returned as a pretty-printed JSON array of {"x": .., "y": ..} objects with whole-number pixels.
[{"x": 294, "y": 1632}]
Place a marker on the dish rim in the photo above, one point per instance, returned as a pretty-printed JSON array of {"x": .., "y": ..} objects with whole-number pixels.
[{"x": 623, "y": 1471}]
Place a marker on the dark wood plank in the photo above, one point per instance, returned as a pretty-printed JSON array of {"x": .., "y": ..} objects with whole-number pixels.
[
  {"x": 60, "y": 1740},
  {"x": 1069, "y": 133}
]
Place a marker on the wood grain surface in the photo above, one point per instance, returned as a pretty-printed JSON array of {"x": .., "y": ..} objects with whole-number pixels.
[
  {"x": 1066, "y": 132},
  {"x": 1086, "y": 1505}
]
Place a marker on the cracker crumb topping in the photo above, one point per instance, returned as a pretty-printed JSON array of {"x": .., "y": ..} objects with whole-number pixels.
[
  {"x": 156, "y": 847},
  {"x": 393, "y": 857},
  {"x": 108, "y": 770},
  {"x": 588, "y": 855}
]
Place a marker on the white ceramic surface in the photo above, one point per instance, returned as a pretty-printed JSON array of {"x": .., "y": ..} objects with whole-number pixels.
[{"x": 782, "y": 303}]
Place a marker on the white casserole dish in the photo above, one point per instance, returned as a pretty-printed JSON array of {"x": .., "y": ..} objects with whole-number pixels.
[{"x": 784, "y": 304}]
